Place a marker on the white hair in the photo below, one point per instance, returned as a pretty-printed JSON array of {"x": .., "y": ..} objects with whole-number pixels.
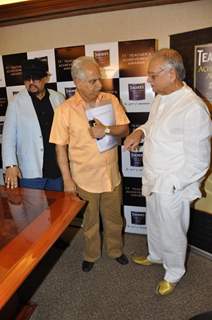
[
  {"x": 78, "y": 67},
  {"x": 172, "y": 59}
]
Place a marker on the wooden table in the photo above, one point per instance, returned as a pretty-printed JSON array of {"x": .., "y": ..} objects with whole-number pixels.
[{"x": 30, "y": 222}]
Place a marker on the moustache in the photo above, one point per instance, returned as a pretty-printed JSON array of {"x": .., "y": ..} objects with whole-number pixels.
[{"x": 32, "y": 86}]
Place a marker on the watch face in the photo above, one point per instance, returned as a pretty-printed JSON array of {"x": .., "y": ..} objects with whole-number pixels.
[{"x": 107, "y": 130}]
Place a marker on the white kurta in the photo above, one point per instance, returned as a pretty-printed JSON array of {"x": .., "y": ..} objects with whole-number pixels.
[{"x": 176, "y": 158}]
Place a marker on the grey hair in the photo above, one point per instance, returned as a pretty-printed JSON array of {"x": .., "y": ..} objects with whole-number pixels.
[
  {"x": 78, "y": 67},
  {"x": 172, "y": 59}
]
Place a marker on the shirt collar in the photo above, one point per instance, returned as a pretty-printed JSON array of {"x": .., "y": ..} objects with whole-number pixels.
[
  {"x": 174, "y": 94},
  {"x": 80, "y": 101}
]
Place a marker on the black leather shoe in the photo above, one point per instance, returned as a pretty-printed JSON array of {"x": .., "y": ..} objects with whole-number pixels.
[
  {"x": 87, "y": 266},
  {"x": 122, "y": 259}
]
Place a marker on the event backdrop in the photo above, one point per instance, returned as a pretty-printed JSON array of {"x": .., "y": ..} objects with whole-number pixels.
[
  {"x": 196, "y": 49},
  {"x": 124, "y": 72},
  {"x": 203, "y": 86}
]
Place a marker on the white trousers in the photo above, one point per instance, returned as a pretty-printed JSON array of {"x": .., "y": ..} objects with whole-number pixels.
[{"x": 167, "y": 225}]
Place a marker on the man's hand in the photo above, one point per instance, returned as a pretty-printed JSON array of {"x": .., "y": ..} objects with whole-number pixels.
[
  {"x": 133, "y": 140},
  {"x": 98, "y": 130},
  {"x": 11, "y": 177},
  {"x": 70, "y": 186}
]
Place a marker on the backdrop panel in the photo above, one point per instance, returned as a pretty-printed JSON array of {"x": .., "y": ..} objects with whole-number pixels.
[
  {"x": 196, "y": 49},
  {"x": 124, "y": 71}
]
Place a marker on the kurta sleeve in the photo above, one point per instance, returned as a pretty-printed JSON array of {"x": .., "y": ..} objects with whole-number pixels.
[{"x": 196, "y": 146}]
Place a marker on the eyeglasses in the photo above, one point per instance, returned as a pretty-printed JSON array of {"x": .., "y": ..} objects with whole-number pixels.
[{"x": 154, "y": 75}]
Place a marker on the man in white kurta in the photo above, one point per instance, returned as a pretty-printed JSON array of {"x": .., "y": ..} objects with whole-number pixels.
[{"x": 176, "y": 158}]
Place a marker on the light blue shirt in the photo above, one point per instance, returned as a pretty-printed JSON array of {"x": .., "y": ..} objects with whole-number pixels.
[{"x": 22, "y": 141}]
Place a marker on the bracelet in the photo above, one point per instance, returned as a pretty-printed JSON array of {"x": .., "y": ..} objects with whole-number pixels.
[{"x": 12, "y": 166}]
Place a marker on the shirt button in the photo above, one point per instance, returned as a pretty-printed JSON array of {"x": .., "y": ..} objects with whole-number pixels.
[{"x": 41, "y": 149}]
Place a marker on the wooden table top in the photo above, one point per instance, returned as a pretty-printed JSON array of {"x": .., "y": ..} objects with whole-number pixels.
[{"x": 30, "y": 222}]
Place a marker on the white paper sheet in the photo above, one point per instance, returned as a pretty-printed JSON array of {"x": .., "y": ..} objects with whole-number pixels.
[{"x": 105, "y": 114}]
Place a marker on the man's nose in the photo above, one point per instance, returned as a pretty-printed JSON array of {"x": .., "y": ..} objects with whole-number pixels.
[{"x": 99, "y": 84}]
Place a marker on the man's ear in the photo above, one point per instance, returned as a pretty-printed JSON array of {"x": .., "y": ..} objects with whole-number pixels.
[
  {"x": 77, "y": 82},
  {"x": 173, "y": 75},
  {"x": 47, "y": 78}
]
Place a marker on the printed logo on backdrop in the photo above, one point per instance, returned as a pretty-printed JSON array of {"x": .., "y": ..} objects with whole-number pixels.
[
  {"x": 67, "y": 88},
  {"x": 136, "y": 91},
  {"x": 48, "y": 57},
  {"x": 135, "y": 219},
  {"x": 137, "y": 119},
  {"x": 13, "y": 68},
  {"x": 203, "y": 86},
  {"x": 203, "y": 72},
  {"x": 106, "y": 55},
  {"x": 132, "y": 162},
  {"x": 3, "y": 101},
  {"x": 69, "y": 92},
  {"x": 102, "y": 57},
  {"x": 134, "y": 57},
  {"x": 132, "y": 192},
  {"x": 64, "y": 58},
  {"x": 136, "y": 94},
  {"x": 111, "y": 86}
]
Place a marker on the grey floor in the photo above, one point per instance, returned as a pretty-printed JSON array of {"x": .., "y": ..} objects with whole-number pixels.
[{"x": 114, "y": 292}]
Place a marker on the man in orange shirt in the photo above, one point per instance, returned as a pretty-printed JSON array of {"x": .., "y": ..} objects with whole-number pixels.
[{"x": 87, "y": 169}]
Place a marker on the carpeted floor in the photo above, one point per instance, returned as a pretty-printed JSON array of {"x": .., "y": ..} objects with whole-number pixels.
[{"x": 114, "y": 292}]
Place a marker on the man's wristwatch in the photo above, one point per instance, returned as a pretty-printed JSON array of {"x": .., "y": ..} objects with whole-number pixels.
[{"x": 107, "y": 130}]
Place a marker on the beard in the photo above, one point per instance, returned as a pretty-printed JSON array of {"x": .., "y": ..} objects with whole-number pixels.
[
  {"x": 36, "y": 91},
  {"x": 33, "y": 89}
]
